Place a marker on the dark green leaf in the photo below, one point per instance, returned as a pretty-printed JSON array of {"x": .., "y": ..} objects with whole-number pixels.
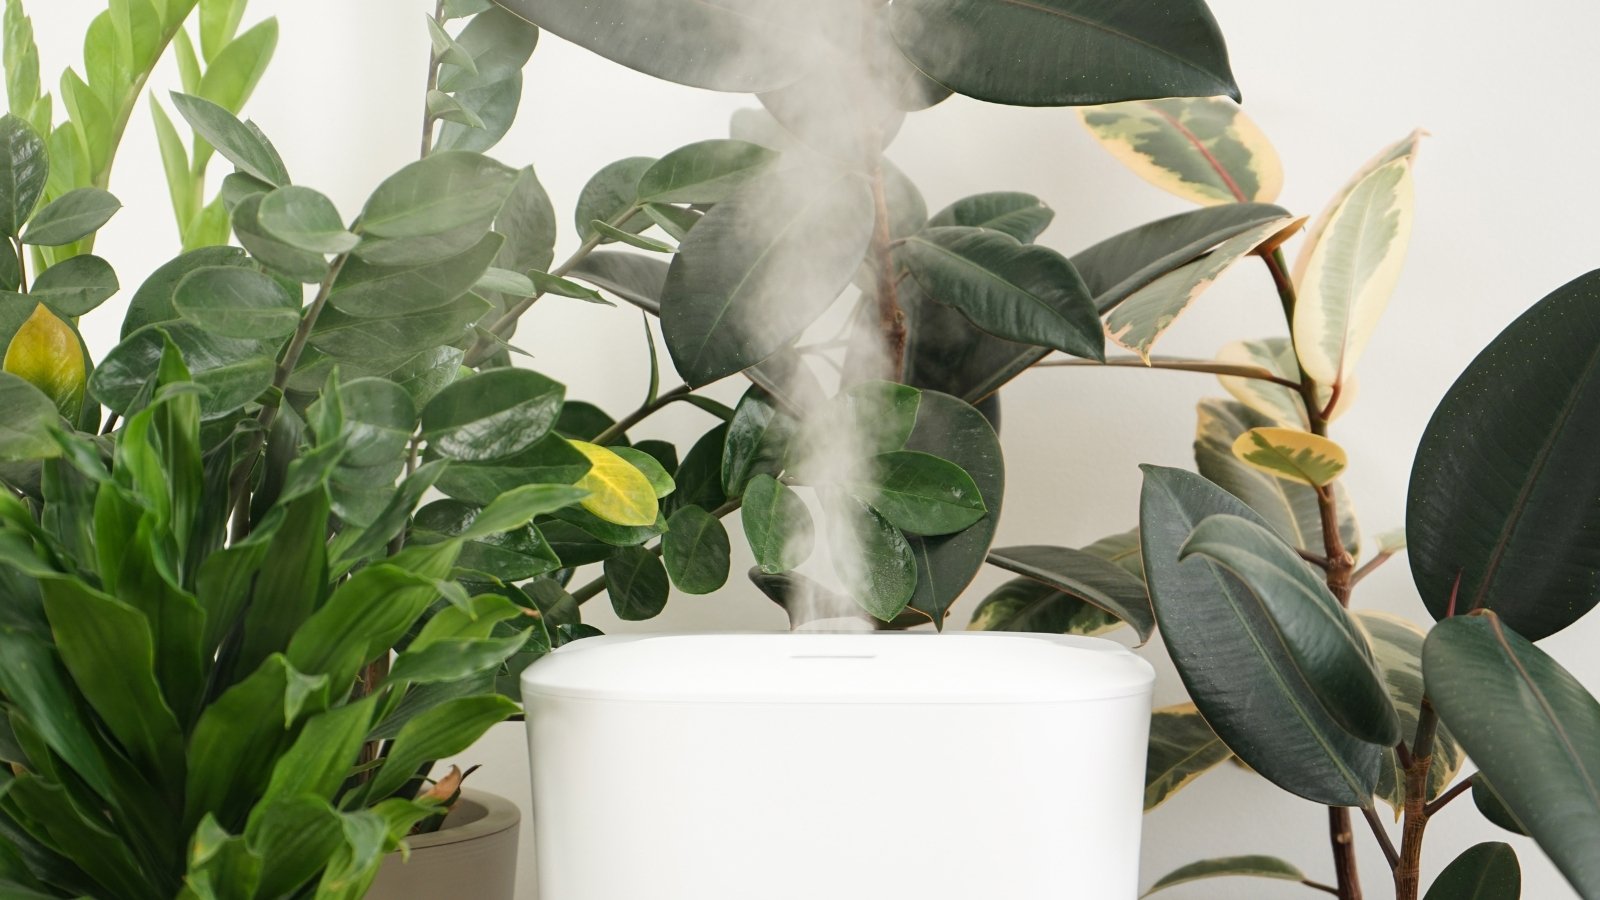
[
  {"x": 303, "y": 218},
  {"x": 528, "y": 221},
  {"x": 25, "y": 428},
  {"x": 1330, "y": 653},
  {"x": 637, "y": 583},
  {"x": 549, "y": 461},
  {"x": 696, "y": 551},
  {"x": 500, "y": 45},
  {"x": 368, "y": 290},
  {"x": 1082, "y": 575},
  {"x": 75, "y": 286},
  {"x": 919, "y": 493},
  {"x": 1065, "y": 52},
  {"x": 1531, "y": 728},
  {"x": 759, "y": 269},
  {"x": 495, "y": 106},
  {"x": 1234, "y": 665},
  {"x": 1524, "y": 539},
  {"x": 152, "y": 302},
  {"x": 509, "y": 556},
  {"x": 74, "y": 215},
  {"x": 446, "y": 190},
  {"x": 758, "y": 439},
  {"x": 1012, "y": 290},
  {"x": 347, "y": 337},
  {"x": 707, "y": 172},
  {"x": 284, "y": 259},
  {"x": 872, "y": 558},
  {"x": 243, "y": 145},
  {"x": 24, "y": 167},
  {"x": 1229, "y": 867},
  {"x": 1022, "y": 216},
  {"x": 1488, "y": 802},
  {"x": 611, "y": 194},
  {"x": 699, "y": 476},
  {"x": 1023, "y": 604},
  {"x": 237, "y": 303},
  {"x": 639, "y": 280},
  {"x": 777, "y": 525},
  {"x": 232, "y": 371},
  {"x": 446, "y": 729},
  {"x": 747, "y": 46},
  {"x": 1487, "y": 871},
  {"x": 493, "y": 415}
]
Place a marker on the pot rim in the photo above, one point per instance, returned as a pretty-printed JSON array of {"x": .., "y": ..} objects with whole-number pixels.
[{"x": 499, "y": 815}]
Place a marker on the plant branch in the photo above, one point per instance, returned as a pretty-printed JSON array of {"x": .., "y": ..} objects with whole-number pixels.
[
  {"x": 643, "y": 412},
  {"x": 433, "y": 84},
  {"x": 1371, "y": 566},
  {"x": 891, "y": 318},
  {"x": 1382, "y": 835},
  {"x": 1455, "y": 791},
  {"x": 592, "y": 589},
  {"x": 1178, "y": 365},
  {"x": 1319, "y": 886},
  {"x": 1408, "y": 872},
  {"x": 1344, "y": 853}
]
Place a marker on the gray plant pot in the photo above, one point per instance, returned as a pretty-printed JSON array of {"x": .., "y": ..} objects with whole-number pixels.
[{"x": 473, "y": 855}]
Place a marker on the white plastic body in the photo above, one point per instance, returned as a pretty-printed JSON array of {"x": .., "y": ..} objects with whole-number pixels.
[{"x": 838, "y": 767}]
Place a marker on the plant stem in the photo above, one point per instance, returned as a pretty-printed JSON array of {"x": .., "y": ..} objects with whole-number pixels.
[
  {"x": 1344, "y": 853},
  {"x": 592, "y": 589},
  {"x": 433, "y": 84},
  {"x": 1382, "y": 836},
  {"x": 1319, "y": 886},
  {"x": 642, "y": 413},
  {"x": 891, "y": 318},
  {"x": 1408, "y": 872},
  {"x": 1370, "y": 566},
  {"x": 1178, "y": 365},
  {"x": 1455, "y": 791}
]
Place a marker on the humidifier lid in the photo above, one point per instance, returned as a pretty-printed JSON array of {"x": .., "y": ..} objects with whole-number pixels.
[{"x": 989, "y": 667}]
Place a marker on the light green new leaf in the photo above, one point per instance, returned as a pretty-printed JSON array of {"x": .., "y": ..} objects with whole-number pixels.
[
  {"x": 1397, "y": 649},
  {"x": 237, "y": 303},
  {"x": 1203, "y": 149},
  {"x": 1017, "y": 291},
  {"x": 231, "y": 76},
  {"x": 1350, "y": 266},
  {"x": 1182, "y": 748},
  {"x": 612, "y": 233},
  {"x": 1532, "y": 729},
  {"x": 706, "y": 172},
  {"x": 1317, "y": 632},
  {"x": 73, "y": 215},
  {"x": 446, "y": 108},
  {"x": 1139, "y": 321},
  {"x": 1229, "y": 867},
  {"x": 1292, "y": 454},
  {"x": 447, "y": 51}
]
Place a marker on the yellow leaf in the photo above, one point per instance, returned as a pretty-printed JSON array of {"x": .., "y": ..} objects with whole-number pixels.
[
  {"x": 618, "y": 492},
  {"x": 1292, "y": 454},
  {"x": 45, "y": 352}
]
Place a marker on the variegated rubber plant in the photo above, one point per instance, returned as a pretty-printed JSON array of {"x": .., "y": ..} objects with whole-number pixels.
[{"x": 1249, "y": 565}]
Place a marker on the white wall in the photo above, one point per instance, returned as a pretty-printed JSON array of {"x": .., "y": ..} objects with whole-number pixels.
[{"x": 1503, "y": 217}]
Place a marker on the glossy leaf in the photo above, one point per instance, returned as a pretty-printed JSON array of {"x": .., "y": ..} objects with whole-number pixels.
[
  {"x": 1330, "y": 653},
  {"x": 1236, "y": 668},
  {"x": 75, "y": 286},
  {"x": 873, "y": 559},
  {"x": 493, "y": 415},
  {"x": 303, "y": 218},
  {"x": 660, "y": 480},
  {"x": 1065, "y": 52},
  {"x": 24, "y": 166},
  {"x": 47, "y": 354},
  {"x": 1349, "y": 268},
  {"x": 1182, "y": 748},
  {"x": 745, "y": 46},
  {"x": 393, "y": 337},
  {"x": 1291, "y": 508},
  {"x": 759, "y": 269},
  {"x": 303, "y": 266},
  {"x": 1498, "y": 515},
  {"x": 759, "y": 438},
  {"x": 1203, "y": 149},
  {"x": 1022, "y": 216},
  {"x": 448, "y": 728},
  {"x": 371, "y": 290},
  {"x": 696, "y": 551},
  {"x": 1493, "y": 807},
  {"x": 74, "y": 215},
  {"x": 550, "y": 461},
  {"x": 777, "y": 525},
  {"x": 1531, "y": 728},
  {"x": 30, "y": 414},
  {"x": 1140, "y": 320},
  {"x": 1229, "y": 867},
  {"x": 1292, "y": 454},
  {"x": 152, "y": 302},
  {"x": 1487, "y": 871},
  {"x": 637, "y": 584},
  {"x": 237, "y": 303},
  {"x": 1085, "y": 576},
  {"x": 243, "y": 146},
  {"x": 448, "y": 189},
  {"x": 706, "y": 172},
  {"x": 232, "y": 371},
  {"x": 1016, "y": 291},
  {"x": 1397, "y": 649},
  {"x": 618, "y": 492}
]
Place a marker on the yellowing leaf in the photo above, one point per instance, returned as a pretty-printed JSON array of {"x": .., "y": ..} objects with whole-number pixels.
[
  {"x": 45, "y": 352},
  {"x": 1139, "y": 321},
  {"x": 1351, "y": 264},
  {"x": 618, "y": 492},
  {"x": 1292, "y": 454},
  {"x": 1203, "y": 149}
]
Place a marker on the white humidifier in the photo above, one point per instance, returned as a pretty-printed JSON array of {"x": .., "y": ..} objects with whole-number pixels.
[{"x": 838, "y": 767}]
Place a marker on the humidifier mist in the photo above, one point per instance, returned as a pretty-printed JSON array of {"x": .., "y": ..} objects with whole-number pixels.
[{"x": 838, "y": 766}]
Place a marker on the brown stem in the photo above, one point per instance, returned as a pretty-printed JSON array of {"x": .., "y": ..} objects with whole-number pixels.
[
  {"x": 891, "y": 318},
  {"x": 1207, "y": 366},
  {"x": 1319, "y": 886},
  {"x": 1381, "y": 834},
  {"x": 1371, "y": 566},
  {"x": 1455, "y": 791},
  {"x": 1344, "y": 853},
  {"x": 642, "y": 413},
  {"x": 433, "y": 84},
  {"x": 1408, "y": 873}
]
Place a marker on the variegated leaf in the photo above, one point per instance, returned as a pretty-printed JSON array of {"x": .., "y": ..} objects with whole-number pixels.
[
  {"x": 1137, "y": 322},
  {"x": 1405, "y": 148},
  {"x": 1121, "y": 548},
  {"x": 1203, "y": 149},
  {"x": 1280, "y": 403},
  {"x": 1397, "y": 648},
  {"x": 1292, "y": 454},
  {"x": 1350, "y": 267},
  {"x": 1023, "y": 604},
  {"x": 1182, "y": 748},
  {"x": 1289, "y": 507}
]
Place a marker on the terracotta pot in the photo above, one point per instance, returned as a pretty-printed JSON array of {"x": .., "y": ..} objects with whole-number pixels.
[{"x": 473, "y": 855}]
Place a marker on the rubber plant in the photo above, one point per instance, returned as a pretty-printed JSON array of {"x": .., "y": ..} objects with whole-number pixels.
[{"x": 1250, "y": 563}]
